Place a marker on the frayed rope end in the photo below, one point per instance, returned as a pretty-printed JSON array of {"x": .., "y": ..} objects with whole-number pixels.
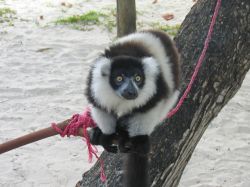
[{"x": 82, "y": 121}]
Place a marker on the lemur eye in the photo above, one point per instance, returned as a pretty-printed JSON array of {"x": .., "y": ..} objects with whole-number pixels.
[
  {"x": 138, "y": 78},
  {"x": 119, "y": 78}
]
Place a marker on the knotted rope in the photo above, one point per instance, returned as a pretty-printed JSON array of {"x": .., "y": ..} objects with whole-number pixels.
[{"x": 82, "y": 121}]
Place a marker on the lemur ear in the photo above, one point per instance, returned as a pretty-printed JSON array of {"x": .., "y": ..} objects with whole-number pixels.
[{"x": 104, "y": 65}]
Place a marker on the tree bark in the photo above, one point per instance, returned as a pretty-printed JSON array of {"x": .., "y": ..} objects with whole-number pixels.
[
  {"x": 126, "y": 17},
  {"x": 224, "y": 68}
]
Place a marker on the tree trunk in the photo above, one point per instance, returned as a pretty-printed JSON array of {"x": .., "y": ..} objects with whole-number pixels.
[
  {"x": 221, "y": 75},
  {"x": 126, "y": 17}
]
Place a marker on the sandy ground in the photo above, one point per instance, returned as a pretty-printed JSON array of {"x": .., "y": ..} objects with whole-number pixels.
[
  {"x": 222, "y": 157},
  {"x": 43, "y": 69}
]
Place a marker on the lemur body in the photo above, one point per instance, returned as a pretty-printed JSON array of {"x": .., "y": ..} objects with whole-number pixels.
[{"x": 132, "y": 86}]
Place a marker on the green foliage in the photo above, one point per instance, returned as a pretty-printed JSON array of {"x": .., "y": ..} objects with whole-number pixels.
[
  {"x": 171, "y": 30},
  {"x": 91, "y": 18},
  {"x": 107, "y": 20},
  {"x": 6, "y": 11},
  {"x": 7, "y": 15}
]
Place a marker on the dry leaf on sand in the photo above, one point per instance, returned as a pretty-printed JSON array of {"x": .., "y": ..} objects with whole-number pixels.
[{"x": 168, "y": 16}]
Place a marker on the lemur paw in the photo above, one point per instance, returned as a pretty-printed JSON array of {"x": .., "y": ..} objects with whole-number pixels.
[
  {"x": 98, "y": 138},
  {"x": 111, "y": 148},
  {"x": 94, "y": 135}
]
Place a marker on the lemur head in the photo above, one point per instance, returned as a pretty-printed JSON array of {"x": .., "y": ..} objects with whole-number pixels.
[
  {"x": 122, "y": 83},
  {"x": 127, "y": 76},
  {"x": 136, "y": 71}
]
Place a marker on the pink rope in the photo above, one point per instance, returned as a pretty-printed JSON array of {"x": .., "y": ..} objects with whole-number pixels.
[
  {"x": 83, "y": 121},
  {"x": 200, "y": 60}
]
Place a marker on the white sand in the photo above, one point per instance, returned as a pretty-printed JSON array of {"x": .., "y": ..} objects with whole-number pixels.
[
  {"x": 222, "y": 157},
  {"x": 37, "y": 88}
]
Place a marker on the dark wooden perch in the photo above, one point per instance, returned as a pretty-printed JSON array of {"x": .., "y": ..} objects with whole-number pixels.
[
  {"x": 32, "y": 137},
  {"x": 36, "y": 136}
]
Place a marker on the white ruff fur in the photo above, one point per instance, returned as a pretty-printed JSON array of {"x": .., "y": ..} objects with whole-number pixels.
[
  {"x": 144, "y": 123},
  {"x": 105, "y": 121},
  {"x": 155, "y": 47},
  {"x": 106, "y": 96}
]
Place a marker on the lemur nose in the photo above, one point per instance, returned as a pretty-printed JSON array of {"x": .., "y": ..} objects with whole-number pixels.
[{"x": 130, "y": 94}]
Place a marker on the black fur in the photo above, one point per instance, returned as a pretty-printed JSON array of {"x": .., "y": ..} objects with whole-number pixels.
[
  {"x": 161, "y": 93},
  {"x": 138, "y": 144},
  {"x": 136, "y": 159},
  {"x": 132, "y": 49},
  {"x": 136, "y": 163},
  {"x": 128, "y": 66},
  {"x": 88, "y": 91},
  {"x": 136, "y": 170},
  {"x": 107, "y": 141}
]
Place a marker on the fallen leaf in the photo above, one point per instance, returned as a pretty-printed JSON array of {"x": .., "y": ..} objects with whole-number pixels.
[
  {"x": 168, "y": 16},
  {"x": 43, "y": 49},
  {"x": 68, "y": 5}
]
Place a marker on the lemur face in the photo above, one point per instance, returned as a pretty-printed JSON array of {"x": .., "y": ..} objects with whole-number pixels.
[{"x": 127, "y": 77}]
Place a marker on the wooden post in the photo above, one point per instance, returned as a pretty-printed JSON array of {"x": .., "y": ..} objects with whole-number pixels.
[{"x": 126, "y": 17}]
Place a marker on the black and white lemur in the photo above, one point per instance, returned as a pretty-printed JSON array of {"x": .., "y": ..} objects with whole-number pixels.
[{"x": 131, "y": 87}]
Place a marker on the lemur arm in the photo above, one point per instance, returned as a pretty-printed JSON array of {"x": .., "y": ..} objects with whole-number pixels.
[
  {"x": 138, "y": 144},
  {"x": 107, "y": 141}
]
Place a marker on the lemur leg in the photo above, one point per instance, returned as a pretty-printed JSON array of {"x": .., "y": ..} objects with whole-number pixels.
[
  {"x": 137, "y": 144},
  {"x": 124, "y": 143},
  {"x": 140, "y": 144},
  {"x": 107, "y": 141}
]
